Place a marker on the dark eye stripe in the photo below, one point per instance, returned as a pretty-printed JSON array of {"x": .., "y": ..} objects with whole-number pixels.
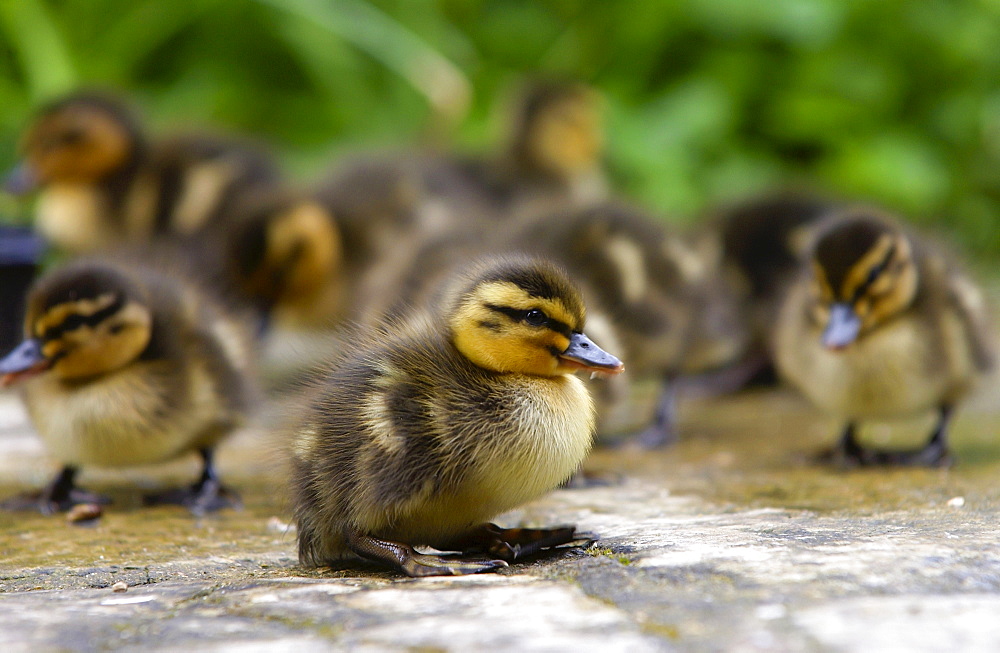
[
  {"x": 518, "y": 314},
  {"x": 874, "y": 273},
  {"x": 75, "y": 321}
]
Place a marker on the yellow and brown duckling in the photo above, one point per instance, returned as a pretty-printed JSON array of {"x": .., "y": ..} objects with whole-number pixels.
[
  {"x": 103, "y": 182},
  {"x": 880, "y": 325},
  {"x": 426, "y": 429},
  {"x": 122, "y": 366}
]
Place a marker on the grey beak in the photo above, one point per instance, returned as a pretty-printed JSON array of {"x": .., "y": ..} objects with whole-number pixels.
[
  {"x": 583, "y": 351},
  {"x": 843, "y": 327},
  {"x": 21, "y": 180}
]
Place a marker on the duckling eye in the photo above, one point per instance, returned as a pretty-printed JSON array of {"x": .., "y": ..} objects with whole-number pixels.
[
  {"x": 116, "y": 329},
  {"x": 874, "y": 274},
  {"x": 535, "y": 317},
  {"x": 71, "y": 136}
]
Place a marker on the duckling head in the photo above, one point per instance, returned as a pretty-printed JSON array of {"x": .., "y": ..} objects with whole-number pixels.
[
  {"x": 82, "y": 321},
  {"x": 864, "y": 274},
  {"x": 524, "y": 316},
  {"x": 557, "y": 128},
  {"x": 286, "y": 248},
  {"x": 80, "y": 139}
]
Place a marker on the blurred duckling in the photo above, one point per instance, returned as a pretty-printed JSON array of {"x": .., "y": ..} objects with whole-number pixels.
[
  {"x": 550, "y": 158},
  {"x": 427, "y": 428},
  {"x": 124, "y": 365},
  {"x": 764, "y": 242},
  {"x": 103, "y": 182},
  {"x": 286, "y": 259},
  {"x": 880, "y": 325}
]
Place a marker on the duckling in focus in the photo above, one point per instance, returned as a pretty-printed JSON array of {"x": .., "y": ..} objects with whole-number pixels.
[
  {"x": 124, "y": 365},
  {"x": 881, "y": 325},
  {"x": 102, "y": 182},
  {"x": 427, "y": 428},
  {"x": 285, "y": 259}
]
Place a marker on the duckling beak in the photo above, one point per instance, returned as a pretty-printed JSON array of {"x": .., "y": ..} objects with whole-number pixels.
[
  {"x": 843, "y": 327},
  {"x": 25, "y": 361},
  {"x": 583, "y": 354},
  {"x": 21, "y": 180}
]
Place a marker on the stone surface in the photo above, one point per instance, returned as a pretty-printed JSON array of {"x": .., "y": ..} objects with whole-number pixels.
[{"x": 733, "y": 540}]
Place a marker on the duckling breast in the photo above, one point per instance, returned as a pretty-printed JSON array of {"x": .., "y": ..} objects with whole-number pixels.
[
  {"x": 898, "y": 369},
  {"x": 140, "y": 415},
  {"x": 534, "y": 443},
  {"x": 74, "y": 217}
]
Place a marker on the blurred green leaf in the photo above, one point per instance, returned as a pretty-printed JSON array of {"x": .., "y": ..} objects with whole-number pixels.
[{"x": 44, "y": 58}]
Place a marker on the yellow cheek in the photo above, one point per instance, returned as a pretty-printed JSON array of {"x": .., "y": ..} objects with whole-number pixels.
[{"x": 820, "y": 313}]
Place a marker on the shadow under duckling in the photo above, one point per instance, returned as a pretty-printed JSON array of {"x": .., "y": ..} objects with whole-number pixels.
[
  {"x": 878, "y": 325},
  {"x": 124, "y": 365},
  {"x": 426, "y": 428},
  {"x": 102, "y": 182}
]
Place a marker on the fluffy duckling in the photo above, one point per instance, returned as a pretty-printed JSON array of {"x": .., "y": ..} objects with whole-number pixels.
[
  {"x": 428, "y": 428},
  {"x": 124, "y": 365},
  {"x": 103, "y": 182},
  {"x": 879, "y": 325}
]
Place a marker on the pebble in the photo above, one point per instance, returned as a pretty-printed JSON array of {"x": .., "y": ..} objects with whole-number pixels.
[
  {"x": 120, "y": 586},
  {"x": 84, "y": 512}
]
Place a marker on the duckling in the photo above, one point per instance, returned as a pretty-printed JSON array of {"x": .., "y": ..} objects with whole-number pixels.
[
  {"x": 285, "y": 258},
  {"x": 550, "y": 158},
  {"x": 103, "y": 182},
  {"x": 126, "y": 365},
  {"x": 427, "y": 428},
  {"x": 764, "y": 243},
  {"x": 881, "y": 325}
]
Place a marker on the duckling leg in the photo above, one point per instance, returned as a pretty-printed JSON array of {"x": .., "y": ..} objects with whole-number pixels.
[
  {"x": 661, "y": 432},
  {"x": 934, "y": 454},
  {"x": 512, "y": 543},
  {"x": 207, "y": 495},
  {"x": 59, "y": 495},
  {"x": 404, "y": 558}
]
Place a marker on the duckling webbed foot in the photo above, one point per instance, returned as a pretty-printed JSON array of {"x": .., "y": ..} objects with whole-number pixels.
[
  {"x": 205, "y": 496},
  {"x": 416, "y": 565},
  {"x": 514, "y": 543},
  {"x": 58, "y": 496}
]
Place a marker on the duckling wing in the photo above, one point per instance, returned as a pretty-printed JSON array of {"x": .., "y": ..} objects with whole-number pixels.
[{"x": 970, "y": 303}]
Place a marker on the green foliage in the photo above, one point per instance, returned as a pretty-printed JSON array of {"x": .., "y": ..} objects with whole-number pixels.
[{"x": 708, "y": 100}]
